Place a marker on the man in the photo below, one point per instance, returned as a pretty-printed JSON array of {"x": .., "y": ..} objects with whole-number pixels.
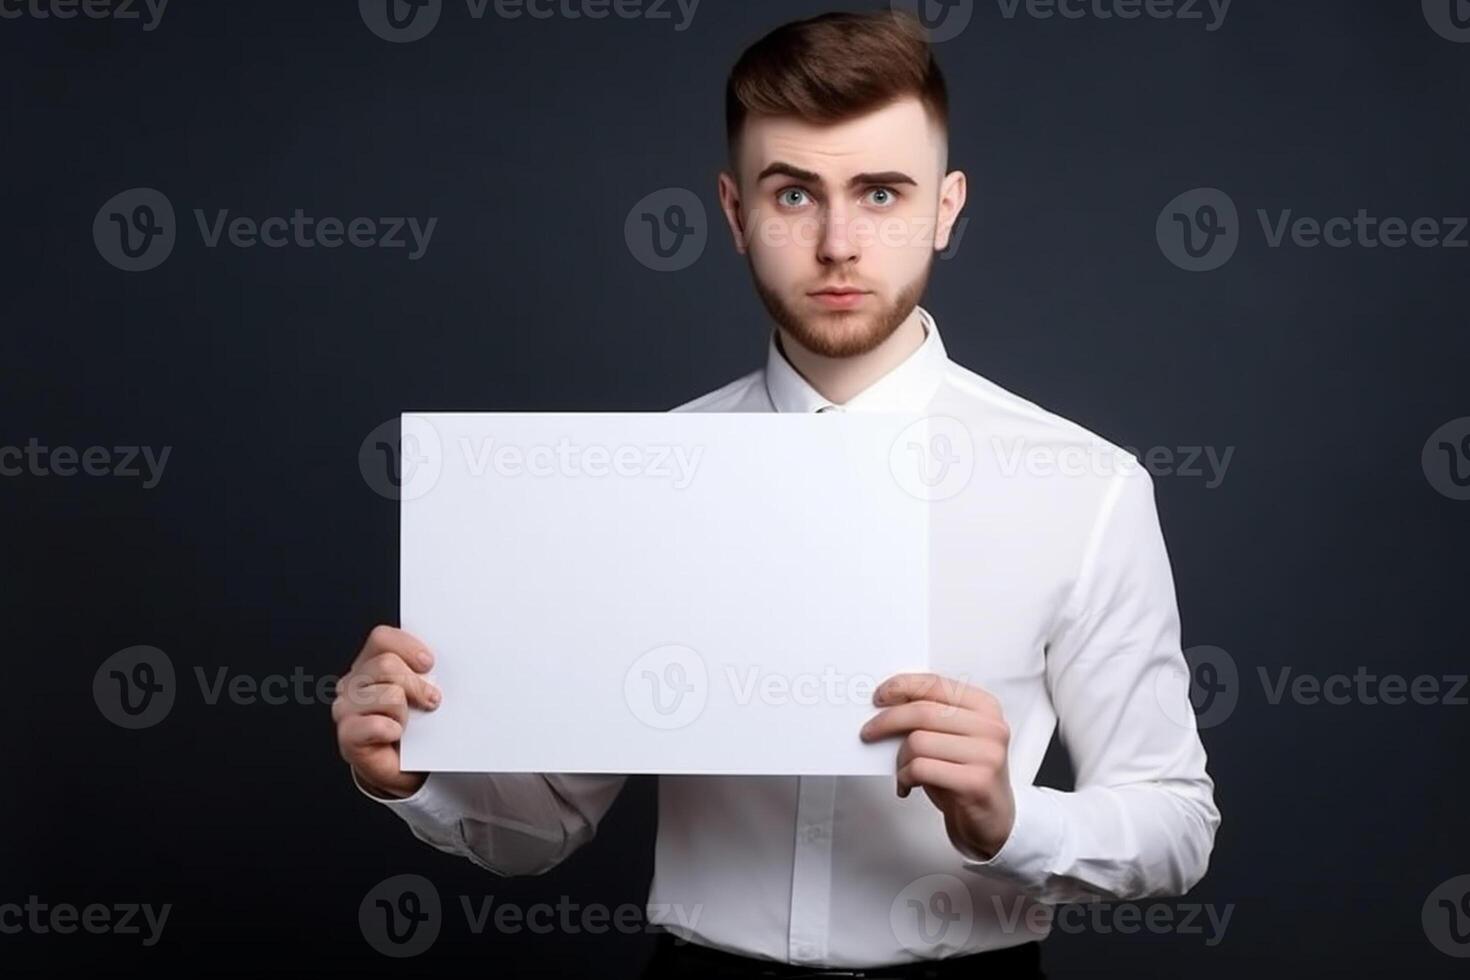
[{"x": 1052, "y": 605}]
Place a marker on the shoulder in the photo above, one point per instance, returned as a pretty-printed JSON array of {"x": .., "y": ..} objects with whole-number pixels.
[
  {"x": 744, "y": 394},
  {"x": 1009, "y": 416},
  {"x": 1043, "y": 462}
]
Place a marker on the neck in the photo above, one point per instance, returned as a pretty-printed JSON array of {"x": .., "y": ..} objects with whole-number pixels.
[{"x": 838, "y": 379}]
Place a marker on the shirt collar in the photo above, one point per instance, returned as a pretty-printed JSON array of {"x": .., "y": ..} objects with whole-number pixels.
[{"x": 908, "y": 387}]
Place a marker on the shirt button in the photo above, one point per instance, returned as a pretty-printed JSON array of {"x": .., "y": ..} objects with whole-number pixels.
[{"x": 813, "y": 834}]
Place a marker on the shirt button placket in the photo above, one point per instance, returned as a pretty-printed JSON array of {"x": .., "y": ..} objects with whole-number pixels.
[{"x": 811, "y": 871}]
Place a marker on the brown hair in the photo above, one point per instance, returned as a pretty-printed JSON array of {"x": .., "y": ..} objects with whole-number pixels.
[{"x": 833, "y": 67}]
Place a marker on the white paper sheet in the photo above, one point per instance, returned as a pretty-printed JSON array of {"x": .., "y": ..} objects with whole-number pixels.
[{"x": 669, "y": 593}]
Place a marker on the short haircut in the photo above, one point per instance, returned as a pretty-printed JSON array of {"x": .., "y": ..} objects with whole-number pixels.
[{"x": 835, "y": 67}]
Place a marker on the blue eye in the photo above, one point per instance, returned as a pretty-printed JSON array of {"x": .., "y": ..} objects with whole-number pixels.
[
  {"x": 883, "y": 197},
  {"x": 785, "y": 197}
]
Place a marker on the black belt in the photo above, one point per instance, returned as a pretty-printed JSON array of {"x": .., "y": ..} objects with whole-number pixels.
[{"x": 676, "y": 959}]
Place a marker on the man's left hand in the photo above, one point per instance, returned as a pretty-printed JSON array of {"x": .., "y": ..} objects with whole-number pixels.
[{"x": 955, "y": 746}]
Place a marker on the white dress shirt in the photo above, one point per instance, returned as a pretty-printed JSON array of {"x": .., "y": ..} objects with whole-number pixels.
[{"x": 1052, "y": 590}]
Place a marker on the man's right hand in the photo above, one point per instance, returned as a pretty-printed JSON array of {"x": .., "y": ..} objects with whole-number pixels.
[{"x": 371, "y": 709}]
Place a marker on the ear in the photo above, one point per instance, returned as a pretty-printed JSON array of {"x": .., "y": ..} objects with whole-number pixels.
[
  {"x": 730, "y": 204},
  {"x": 952, "y": 194}
]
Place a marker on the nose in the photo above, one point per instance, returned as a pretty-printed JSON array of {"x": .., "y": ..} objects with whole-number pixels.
[{"x": 836, "y": 245}]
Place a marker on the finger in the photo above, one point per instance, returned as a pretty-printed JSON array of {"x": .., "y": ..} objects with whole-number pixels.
[
  {"x": 934, "y": 687},
  {"x": 930, "y": 715},
  {"x": 963, "y": 749},
  {"x": 938, "y": 774},
  {"x": 389, "y": 639},
  {"x": 367, "y": 731},
  {"x": 372, "y": 699},
  {"x": 389, "y": 668}
]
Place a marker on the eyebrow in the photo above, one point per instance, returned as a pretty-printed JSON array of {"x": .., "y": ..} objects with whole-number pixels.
[{"x": 858, "y": 180}]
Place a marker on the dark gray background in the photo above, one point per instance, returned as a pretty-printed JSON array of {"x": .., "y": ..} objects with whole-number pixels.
[{"x": 1325, "y": 547}]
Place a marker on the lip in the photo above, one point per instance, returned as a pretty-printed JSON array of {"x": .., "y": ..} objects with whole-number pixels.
[{"x": 839, "y": 297}]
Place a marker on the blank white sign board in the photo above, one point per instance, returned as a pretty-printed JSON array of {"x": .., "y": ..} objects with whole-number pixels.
[{"x": 659, "y": 593}]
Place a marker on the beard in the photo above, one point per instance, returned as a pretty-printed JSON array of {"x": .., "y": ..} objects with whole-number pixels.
[{"x": 843, "y": 333}]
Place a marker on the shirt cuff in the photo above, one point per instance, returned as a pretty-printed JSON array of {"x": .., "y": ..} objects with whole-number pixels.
[
  {"x": 422, "y": 801},
  {"x": 1028, "y": 855}
]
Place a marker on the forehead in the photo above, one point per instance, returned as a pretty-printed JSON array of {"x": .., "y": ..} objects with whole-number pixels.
[{"x": 899, "y": 136}]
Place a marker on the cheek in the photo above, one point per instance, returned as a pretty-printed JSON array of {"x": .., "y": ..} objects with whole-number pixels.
[
  {"x": 782, "y": 247},
  {"x": 899, "y": 251},
  {"x": 778, "y": 232},
  {"x": 907, "y": 237},
  {"x": 776, "y": 266},
  {"x": 896, "y": 239}
]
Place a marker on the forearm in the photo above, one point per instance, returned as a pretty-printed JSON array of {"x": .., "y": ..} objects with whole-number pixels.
[
  {"x": 507, "y": 823},
  {"x": 1142, "y": 819},
  {"x": 1123, "y": 842}
]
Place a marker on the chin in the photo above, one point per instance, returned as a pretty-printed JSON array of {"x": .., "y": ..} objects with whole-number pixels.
[
  {"x": 840, "y": 333},
  {"x": 843, "y": 333}
]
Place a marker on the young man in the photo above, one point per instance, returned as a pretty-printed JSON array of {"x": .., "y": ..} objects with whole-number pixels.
[{"x": 1053, "y": 603}]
